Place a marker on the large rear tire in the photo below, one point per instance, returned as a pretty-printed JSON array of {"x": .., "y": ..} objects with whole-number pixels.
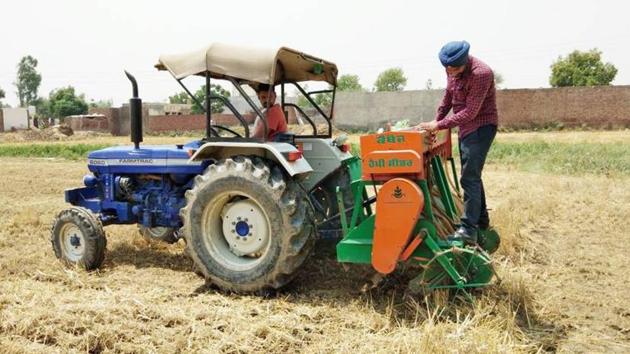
[
  {"x": 78, "y": 238},
  {"x": 247, "y": 227}
]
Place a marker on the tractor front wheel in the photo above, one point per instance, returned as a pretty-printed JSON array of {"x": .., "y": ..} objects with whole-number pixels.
[
  {"x": 247, "y": 226},
  {"x": 78, "y": 238}
]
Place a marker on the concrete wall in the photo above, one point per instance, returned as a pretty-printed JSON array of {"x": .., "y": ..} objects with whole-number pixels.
[
  {"x": 153, "y": 124},
  {"x": 98, "y": 123},
  {"x": 14, "y": 118},
  {"x": 365, "y": 110},
  {"x": 112, "y": 116},
  {"x": 599, "y": 107},
  {"x": 124, "y": 121}
]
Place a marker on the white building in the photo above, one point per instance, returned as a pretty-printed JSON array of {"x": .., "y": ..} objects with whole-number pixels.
[{"x": 15, "y": 118}]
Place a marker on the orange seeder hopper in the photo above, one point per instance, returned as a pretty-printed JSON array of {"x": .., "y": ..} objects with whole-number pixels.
[{"x": 404, "y": 153}]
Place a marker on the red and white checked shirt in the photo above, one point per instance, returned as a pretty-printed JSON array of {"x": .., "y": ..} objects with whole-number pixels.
[{"x": 472, "y": 96}]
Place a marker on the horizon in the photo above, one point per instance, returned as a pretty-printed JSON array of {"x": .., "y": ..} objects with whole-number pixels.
[{"x": 88, "y": 45}]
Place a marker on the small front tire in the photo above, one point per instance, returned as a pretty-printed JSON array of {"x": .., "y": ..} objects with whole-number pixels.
[{"x": 78, "y": 238}]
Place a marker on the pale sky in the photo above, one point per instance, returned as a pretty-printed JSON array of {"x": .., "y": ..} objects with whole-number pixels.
[{"x": 87, "y": 44}]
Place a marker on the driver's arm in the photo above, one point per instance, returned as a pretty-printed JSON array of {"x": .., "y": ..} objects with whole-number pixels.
[{"x": 259, "y": 129}]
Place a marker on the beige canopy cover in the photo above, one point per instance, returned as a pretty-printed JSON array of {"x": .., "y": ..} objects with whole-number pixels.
[{"x": 254, "y": 65}]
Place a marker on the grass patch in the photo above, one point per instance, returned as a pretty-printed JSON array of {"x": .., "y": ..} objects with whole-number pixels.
[
  {"x": 66, "y": 151},
  {"x": 562, "y": 158},
  {"x": 533, "y": 156},
  {"x": 558, "y": 158}
]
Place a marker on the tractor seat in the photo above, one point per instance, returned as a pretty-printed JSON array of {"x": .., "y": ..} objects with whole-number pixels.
[{"x": 285, "y": 138}]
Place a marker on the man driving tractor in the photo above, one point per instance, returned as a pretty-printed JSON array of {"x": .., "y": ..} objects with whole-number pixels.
[
  {"x": 471, "y": 93},
  {"x": 276, "y": 121}
]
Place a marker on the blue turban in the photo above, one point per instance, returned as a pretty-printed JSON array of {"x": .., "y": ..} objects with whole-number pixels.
[{"x": 454, "y": 53}]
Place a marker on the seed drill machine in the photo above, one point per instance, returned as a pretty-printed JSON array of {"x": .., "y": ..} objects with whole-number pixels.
[
  {"x": 414, "y": 205},
  {"x": 250, "y": 210}
]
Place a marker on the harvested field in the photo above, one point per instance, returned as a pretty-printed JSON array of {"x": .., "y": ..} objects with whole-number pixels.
[{"x": 562, "y": 264}]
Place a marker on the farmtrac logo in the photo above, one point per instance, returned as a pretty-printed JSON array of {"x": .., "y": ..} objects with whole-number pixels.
[{"x": 136, "y": 161}]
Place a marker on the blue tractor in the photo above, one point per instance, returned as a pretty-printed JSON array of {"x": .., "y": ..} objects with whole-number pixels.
[{"x": 247, "y": 208}]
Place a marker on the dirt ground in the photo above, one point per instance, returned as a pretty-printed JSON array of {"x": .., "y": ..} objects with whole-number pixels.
[{"x": 563, "y": 269}]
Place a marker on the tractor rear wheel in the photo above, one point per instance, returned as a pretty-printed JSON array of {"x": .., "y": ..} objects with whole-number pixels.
[
  {"x": 78, "y": 238},
  {"x": 248, "y": 228},
  {"x": 163, "y": 234}
]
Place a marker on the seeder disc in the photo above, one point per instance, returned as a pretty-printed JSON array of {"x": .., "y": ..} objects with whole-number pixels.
[
  {"x": 489, "y": 240},
  {"x": 473, "y": 267}
]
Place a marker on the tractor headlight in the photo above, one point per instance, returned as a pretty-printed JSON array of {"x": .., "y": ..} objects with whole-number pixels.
[{"x": 90, "y": 180}]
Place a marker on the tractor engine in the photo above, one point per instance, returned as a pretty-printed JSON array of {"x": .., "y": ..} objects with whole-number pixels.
[
  {"x": 155, "y": 199},
  {"x": 151, "y": 200}
]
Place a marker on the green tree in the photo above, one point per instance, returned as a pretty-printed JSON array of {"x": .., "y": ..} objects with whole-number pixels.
[
  {"x": 392, "y": 79},
  {"x": 180, "y": 98},
  {"x": 42, "y": 106},
  {"x": 323, "y": 100},
  {"x": 64, "y": 102},
  {"x": 216, "y": 106},
  {"x": 2, "y": 95},
  {"x": 498, "y": 80},
  {"x": 28, "y": 80},
  {"x": 349, "y": 82},
  {"x": 346, "y": 83},
  {"x": 582, "y": 69},
  {"x": 101, "y": 103}
]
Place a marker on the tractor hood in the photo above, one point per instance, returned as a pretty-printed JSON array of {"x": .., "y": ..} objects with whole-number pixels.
[{"x": 147, "y": 159}]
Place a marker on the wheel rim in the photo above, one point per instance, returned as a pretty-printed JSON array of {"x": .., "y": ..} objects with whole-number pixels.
[
  {"x": 236, "y": 231},
  {"x": 73, "y": 242},
  {"x": 157, "y": 232}
]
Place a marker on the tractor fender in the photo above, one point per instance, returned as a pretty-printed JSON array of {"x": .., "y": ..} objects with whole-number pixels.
[
  {"x": 323, "y": 156},
  {"x": 271, "y": 151}
]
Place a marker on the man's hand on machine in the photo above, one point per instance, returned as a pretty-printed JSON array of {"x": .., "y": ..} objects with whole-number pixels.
[{"x": 428, "y": 126}]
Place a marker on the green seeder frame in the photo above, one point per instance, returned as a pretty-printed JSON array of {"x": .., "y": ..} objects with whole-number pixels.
[{"x": 443, "y": 264}]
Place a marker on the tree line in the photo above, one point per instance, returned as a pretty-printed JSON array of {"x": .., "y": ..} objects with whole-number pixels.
[
  {"x": 579, "y": 68},
  {"x": 61, "y": 102}
]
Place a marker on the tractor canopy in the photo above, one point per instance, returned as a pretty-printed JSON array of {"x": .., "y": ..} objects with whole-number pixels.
[{"x": 249, "y": 65}]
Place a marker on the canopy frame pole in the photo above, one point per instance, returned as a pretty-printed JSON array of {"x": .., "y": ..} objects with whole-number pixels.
[
  {"x": 282, "y": 102},
  {"x": 251, "y": 103},
  {"x": 179, "y": 81},
  {"x": 208, "y": 108},
  {"x": 332, "y": 105},
  {"x": 282, "y": 77},
  {"x": 310, "y": 99},
  {"x": 272, "y": 88}
]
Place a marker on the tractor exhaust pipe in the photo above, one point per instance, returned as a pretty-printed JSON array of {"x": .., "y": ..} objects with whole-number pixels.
[{"x": 135, "y": 113}]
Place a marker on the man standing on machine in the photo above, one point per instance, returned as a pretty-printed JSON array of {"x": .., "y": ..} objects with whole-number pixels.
[{"x": 471, "y": 93}]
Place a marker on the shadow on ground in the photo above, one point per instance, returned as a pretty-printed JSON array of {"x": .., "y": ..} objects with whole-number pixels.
[
  {"x": 151, "y": 256},
  {"x": 323, "y": 281}
]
